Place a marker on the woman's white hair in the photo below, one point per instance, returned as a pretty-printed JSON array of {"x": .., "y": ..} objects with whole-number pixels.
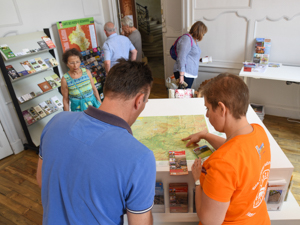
[{"x": 127, "y": 21}]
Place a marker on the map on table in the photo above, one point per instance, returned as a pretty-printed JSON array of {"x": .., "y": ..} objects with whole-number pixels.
[{"x": 162, "y": 134}]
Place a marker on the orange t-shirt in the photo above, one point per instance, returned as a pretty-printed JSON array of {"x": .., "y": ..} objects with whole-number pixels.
[{"x": 238, "y": 172}]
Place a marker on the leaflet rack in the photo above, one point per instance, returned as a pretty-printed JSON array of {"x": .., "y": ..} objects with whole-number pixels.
[{"x": 28, "y": 83}]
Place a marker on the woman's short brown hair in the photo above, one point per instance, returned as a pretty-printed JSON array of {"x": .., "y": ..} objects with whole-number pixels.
[
  {"x": 231, "y": 91},
  {"x": 71, "y": 52},
  {"x": 198, "y": 30}
]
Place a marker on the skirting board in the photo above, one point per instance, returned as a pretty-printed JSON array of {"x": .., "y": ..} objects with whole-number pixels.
[{"x": 282, "y": 111}]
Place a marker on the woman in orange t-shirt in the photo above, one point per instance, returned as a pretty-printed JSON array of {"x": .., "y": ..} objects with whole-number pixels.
[{"x": 231, "y": 184}]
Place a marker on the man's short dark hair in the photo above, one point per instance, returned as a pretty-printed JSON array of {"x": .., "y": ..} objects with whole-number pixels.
[
  {"x": 231, "y": 91},
  {"x": 128, "y": 78},
  {"x": 71, "y": 52}
]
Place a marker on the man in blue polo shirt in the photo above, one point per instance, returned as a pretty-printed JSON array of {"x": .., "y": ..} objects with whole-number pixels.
[
  {"x": 116, "y": 47},
  {"x": 91, "y": 169}
]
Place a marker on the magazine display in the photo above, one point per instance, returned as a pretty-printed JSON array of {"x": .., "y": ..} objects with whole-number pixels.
[
  {"x": 53, "y": 62},
  {"x": 51, "y": 81},
  {"x": 23, "y": 73},
  {"x": 57, "y": 102},
  {"x": 93, "y": 60},
  {"x": 6, "y": 52},
  {"x": 34, "y": 114},
  {"x": 48, "y": 62},
  {"x": 24, "y": 69},
  {"x": 178, "y": 164},
  {"x": 27, "y": 117},
  {"x": 48, "y": 42},
  {"x": 262, "y": 51},
  {"x": 178, "y": 193},
  {"x": 12, "y": 72},
  {"x": 39, "y": 111},
  {"x": 28, "y": 67},
  {"x": 45, "y": 107},
  {"x": 56, "y": 79},
  {"x": 159, "y": 198},
  {"x": 41, "y": 63},
  {"x": 45, "y": 86},
  {"x": 51, "y": 105},
  {"x": 43, "y": 45},
  {"x": 275, "y": 194},
  {"x": 35, "y": 65},
  {"x": 26, "y": 97}
]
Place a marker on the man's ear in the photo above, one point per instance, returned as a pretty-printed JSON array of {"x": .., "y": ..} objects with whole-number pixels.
[
  {"x": 223, "y": 108},
  {"x": 139, "y": 100}
]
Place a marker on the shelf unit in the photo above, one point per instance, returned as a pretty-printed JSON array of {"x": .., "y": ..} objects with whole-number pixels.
[{"x": 29, "y": 83}]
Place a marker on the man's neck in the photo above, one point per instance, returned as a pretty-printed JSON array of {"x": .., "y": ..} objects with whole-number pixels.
[
  {"x": 118, "y": 108},
  {"x": 111, "y": 34}
]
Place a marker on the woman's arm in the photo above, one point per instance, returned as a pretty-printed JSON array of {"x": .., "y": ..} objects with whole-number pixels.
[
  {"x": 209, "y": 211},
  {"x": 183, "y": 48},
  {"x": 65, "y": 93},
  {"x": 212, "y": 139},
  {"x": 96, "y": 93}
]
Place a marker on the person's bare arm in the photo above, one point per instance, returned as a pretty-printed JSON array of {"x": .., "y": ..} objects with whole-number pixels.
[
  {"x": 209, "y": 211},
  {"x": 65, "y": 93},
  {"x": 39, "y": 172},
  {"x": 133, "y": 54},
  {"x": 137, "y": 219},
  {"x": 214, "y": 140},
  {"x": 96, "y": 93},
  {"x": 107, "y": 66},
  {"x": 211, "y": 208}
]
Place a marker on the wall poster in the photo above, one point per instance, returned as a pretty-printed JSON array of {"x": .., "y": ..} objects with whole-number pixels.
[{"x": 79, "y": 34}]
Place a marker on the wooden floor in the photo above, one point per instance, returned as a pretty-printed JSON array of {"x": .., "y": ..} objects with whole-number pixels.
[{"x": 20, "y": 201}]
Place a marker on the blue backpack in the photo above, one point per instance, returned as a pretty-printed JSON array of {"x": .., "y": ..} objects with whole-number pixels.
[{"x": 173, "y": 51}]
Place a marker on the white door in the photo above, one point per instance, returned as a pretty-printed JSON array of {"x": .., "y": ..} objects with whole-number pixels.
[
  {"x": 174, "y": 22},
  {"x": 5, "y": 149}
]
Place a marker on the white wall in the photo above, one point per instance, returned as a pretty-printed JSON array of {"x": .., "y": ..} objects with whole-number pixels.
[
  {"x": 232, "y": 27},
  {"x": 19, "y": 17}
]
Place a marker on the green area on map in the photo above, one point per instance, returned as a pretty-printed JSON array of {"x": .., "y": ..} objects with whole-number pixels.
[{"x": 162, "y": 134}]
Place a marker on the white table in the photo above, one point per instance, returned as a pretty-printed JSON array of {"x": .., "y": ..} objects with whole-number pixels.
[
  {"x": 281, "y": 168},
  {"x": 283, "y": 73}
]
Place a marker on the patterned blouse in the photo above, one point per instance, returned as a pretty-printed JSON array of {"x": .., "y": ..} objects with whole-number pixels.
[{"x": 83, "y": 83}]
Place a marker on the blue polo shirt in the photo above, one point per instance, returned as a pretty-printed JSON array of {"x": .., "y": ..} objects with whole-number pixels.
[
  {"x": 116, "y": 47},
  {"x": 94, "y": 170}
]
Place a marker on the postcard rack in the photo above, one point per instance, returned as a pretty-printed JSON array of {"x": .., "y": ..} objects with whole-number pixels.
[{"x": 28, "y": 83}]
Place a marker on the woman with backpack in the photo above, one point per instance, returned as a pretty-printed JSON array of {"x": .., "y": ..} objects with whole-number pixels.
[{"x": 188, "y": 54}]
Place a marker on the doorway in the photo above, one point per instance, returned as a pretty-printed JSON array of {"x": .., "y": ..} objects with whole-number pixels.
[{"x": 147, "y": 19}]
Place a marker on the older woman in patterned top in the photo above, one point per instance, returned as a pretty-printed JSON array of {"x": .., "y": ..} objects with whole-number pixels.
[{"x": 77, "y": 84}]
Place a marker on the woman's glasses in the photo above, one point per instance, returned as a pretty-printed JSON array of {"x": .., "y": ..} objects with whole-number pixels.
[{"x": 73, "y": 63}]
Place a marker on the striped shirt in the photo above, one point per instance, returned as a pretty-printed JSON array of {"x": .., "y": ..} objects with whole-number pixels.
[{"x": 83, "y": 83}]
